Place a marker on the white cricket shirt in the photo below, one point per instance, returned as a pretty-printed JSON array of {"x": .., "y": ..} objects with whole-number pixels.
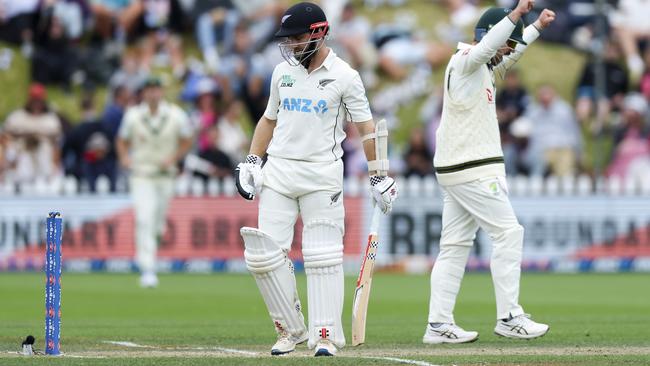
[
  {"x": 154, "y": 138},
  {"x": 311, "y": 109},
  {"x": 468, "y": 144}
]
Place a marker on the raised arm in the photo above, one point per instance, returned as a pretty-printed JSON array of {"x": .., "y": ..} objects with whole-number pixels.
[
  {"x": 531, "y": 33},
  {"x": 495, "y": 38}
]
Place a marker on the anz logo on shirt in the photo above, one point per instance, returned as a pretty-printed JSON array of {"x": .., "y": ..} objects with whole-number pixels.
[{"x": 304, "y": 105}]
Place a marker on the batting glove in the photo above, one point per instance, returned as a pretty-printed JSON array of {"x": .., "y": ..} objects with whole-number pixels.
[
  {"x": 248, "y": 177},
  {"x": 384, "y": 192}
]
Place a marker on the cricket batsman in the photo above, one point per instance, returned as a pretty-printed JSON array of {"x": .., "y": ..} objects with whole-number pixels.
[
  {"x": 470, "y": 168},
  {"x": 153, "y": 137},
  {"x": 313, "y": 94}
]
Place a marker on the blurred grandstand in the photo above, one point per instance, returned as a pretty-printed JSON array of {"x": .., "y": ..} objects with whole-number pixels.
[{"x": 574, "y": 115}]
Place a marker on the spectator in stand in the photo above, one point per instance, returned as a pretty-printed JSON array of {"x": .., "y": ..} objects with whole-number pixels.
[
  {"x": 512, "y": 99},
  {"x": 129, "y": 74},
  {"x": 511, "y": 104},
  {"x": 462, "y": 16},
  {"x": 419, "y": 160},
  {"x": 262, "y": 17},
  {"x": 88, "y": 149},
  {"x": 75, "y": 15},
  {"x": 33, "y": 135},
  {"x": 555, "y": 139},
  {"x": 17, "y": 21},
  {"x": 616, "y": 85},
  {"x": 54, "y": 58},
  {"x": 372, "y": 4},
  {"x": 114, "y": 18},
  {"x": 205, "y": 115},
  {"x": 161, "y": 20},
  {"x": 463, "y": 13},
  {"x": 214, "y": 27},
  {"x": 114, "y": 111},
  {"x": 631, "y": 26},
  {"x": 220, "y": 164},
  {"x": 631, "y": 156},
  {"x": 243, "y": 76},
  {"x": 399, "y": 49},
  {"x": 232, "y": 138},
  {"x": 516, "y": 151},
  {"x": 645, "y": 79},
  {"x": 352, "y": 42}
]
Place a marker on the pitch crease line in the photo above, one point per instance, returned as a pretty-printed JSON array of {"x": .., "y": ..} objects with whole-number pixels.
[
  {"x": 403, "y": 360},
  {"x": 127, "y": 344},
  {"x": 221, "y": 349},
  {"x": 238, "y": 351}
]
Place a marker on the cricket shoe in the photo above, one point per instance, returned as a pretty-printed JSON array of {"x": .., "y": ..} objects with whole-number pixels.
[
  {"x": 521, "y": 327},
  {"x": 438, "y": 333},
  {"x": 287, "y": 342},
  {"x": 325, "y": 348},
  {"x": 148, "y": 280}
]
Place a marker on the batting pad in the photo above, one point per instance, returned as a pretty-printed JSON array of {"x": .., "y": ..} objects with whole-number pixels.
[
  {"x": 273, "y": 272},
  {"x": 322, "y": 250}
]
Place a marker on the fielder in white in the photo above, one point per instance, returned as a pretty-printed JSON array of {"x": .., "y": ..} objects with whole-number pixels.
[
  {"x": 153, "y": 137},
  {"x": 470, "y": 168},
  {"x": 312, "y": 95}
]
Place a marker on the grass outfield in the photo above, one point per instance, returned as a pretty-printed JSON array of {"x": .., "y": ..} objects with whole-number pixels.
[{"x": 221, "y": 320}]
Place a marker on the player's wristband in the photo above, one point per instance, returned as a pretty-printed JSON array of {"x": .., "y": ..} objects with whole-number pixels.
[{"x": 253, "y": 159}]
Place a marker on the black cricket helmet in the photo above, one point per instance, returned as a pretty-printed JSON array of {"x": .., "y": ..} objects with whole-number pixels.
[
  {"x": 302, "y": 18},
  {"x": 493, "y": 16}
]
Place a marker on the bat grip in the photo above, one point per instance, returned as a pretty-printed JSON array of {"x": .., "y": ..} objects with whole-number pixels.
[{"x": 374, "y": 223}]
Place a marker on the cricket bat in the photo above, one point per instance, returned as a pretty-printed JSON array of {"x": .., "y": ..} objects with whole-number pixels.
[{"x": 362, "y": 292}]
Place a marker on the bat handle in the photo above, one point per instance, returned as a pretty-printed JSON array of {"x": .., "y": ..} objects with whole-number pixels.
[{"x": 374, "y": 223}]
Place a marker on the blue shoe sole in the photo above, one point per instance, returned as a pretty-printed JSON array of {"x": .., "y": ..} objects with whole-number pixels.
[
  {"x": 322, "y": 352},
  {"x": 279, "y": 353}
]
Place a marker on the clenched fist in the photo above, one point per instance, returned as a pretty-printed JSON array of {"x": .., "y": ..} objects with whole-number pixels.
[
  {"x": 545, "y": 18},
  {"x": 524, "y": 6}
]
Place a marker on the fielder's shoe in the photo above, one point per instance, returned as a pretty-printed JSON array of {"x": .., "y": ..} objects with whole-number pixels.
[
  {"x": 438, "y": 333},
  {"x": 521, "y": 327},
  {"x": 287, "y": 342},
  {"x": 148, "y": 280},
  {"x": 325, "y": 348}
]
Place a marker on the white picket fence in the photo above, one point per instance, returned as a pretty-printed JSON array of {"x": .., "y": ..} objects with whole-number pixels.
[{"x": 187, "y": 185}]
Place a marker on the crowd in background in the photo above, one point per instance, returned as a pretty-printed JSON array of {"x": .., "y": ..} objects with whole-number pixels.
[{"x": 118, "y": 43}]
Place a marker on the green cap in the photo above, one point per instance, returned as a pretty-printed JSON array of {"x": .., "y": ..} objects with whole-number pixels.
[
  {"x": 151, "y": 81},
  {"x": 493, "y": 16}
]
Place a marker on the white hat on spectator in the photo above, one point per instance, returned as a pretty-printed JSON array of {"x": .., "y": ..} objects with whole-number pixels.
[
  {"x": 521, "y": 127},
  {"x": 636, "y": 102}
]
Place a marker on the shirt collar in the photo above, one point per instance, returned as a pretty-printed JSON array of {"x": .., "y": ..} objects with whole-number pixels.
[
  {"x": 329, "y": 60},
  {"x": 162, "y": 109}
]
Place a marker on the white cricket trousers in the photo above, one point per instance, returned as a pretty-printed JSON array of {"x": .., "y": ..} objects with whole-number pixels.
[
  {"x": 151, "y": 196},
  {"x": 291, "y": 187},
  {"x": 315, "y": 191},
  {"x": 466, "y": 207}
]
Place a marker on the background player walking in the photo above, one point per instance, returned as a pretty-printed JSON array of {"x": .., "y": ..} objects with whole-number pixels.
[
  {"x": 313, "y": 93},
  {"x": 153, "y": 137},
  {"x": 470, "y": 168}
]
